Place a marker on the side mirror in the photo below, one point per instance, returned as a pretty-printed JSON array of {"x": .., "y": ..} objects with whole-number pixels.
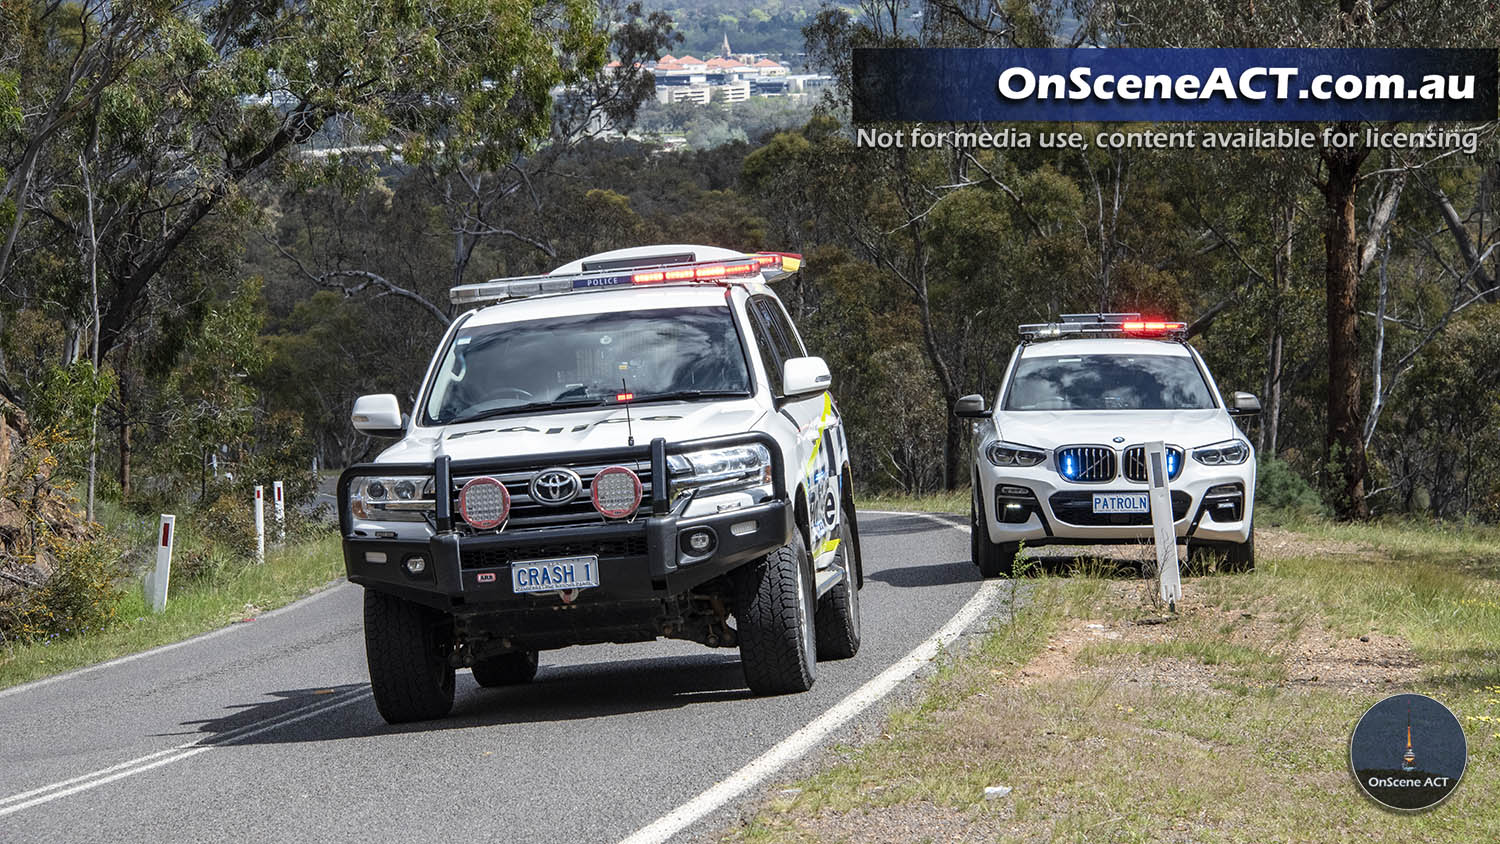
[
  {"x": 803, "y": 376},
  {"x": 378, "y": 415},
  {"x": 971, "y": 407},
  {"x": 1244, "y": 404}
]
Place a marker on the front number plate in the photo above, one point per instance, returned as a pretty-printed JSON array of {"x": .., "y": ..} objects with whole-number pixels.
[
  {"x": 1122, "y": 502},
  {"x": 555, "y": 575}
]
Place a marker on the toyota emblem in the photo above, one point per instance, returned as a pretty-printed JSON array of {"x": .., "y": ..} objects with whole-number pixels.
[{"x": 555, "y": 487}]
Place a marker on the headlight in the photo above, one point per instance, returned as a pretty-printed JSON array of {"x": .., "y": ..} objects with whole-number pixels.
[
  {"x": 721, "y": 469},
  {"x": 404, "y": 498},
  {"x": 1011, "y": 454},
  {"x": 1226, "y": 453}
]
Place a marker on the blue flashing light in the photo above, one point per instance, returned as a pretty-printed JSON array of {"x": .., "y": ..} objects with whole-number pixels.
[
  {"x": 1171, "y": 463},
  {"x": 1069, "y": 467}
]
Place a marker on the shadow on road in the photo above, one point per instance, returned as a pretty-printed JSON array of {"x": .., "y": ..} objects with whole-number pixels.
[
  {"x": 559, "y": 693},
  {"x": 930, "y": 574},
  {"x": 878, "y": 525}
]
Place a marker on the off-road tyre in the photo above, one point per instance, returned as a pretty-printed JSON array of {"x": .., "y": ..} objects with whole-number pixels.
[
  {"x": 995, "y": 559},
  {"x": 837, "y": 621},
  {"x": 775, "y": 603},
  {"x": 407, "y": 647},
  {"x": 510, "y": 669}
]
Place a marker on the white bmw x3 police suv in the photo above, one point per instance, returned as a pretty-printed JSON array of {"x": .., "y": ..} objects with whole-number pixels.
[{"x": 1060, "y": 457}]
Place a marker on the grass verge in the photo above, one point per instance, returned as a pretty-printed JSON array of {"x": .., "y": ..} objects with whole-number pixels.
[
  {"x": 289, "y": 573},
  {"x": 1228, "y": 722}
]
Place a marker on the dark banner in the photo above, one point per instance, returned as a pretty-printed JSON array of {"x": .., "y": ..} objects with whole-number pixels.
[{"x": 1169, "y": 85}]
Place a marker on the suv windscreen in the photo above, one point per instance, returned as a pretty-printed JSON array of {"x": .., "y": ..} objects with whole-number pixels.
[
  {"x": 1108, "y": 382},
  {"x": 584, "y": 359}
]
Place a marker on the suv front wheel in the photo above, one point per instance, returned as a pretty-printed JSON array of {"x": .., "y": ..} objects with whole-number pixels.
[
  {"x": 774, "y": 606},
  {"x": 995, "y": 559},
  {"x": 407, "y": 647}
]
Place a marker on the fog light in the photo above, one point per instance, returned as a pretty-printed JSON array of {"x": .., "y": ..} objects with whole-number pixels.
[
  {"x": 698, "y": 542},
  {"x": 616, "y": 492},
  {"x": 415, "y": 564}
]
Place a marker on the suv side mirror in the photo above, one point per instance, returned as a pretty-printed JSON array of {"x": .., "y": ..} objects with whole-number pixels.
[
  {"x": 803, "y": 376},
  {"x": 1244, "y": 404},
  {"x": 378, "y": 415},
  {"x": 970, "y": 407}
]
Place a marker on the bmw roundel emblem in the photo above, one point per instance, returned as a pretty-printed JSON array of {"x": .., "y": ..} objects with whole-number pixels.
[
  {"x": 555, "y": 487},
  {"x": 1119, "y": 439}
]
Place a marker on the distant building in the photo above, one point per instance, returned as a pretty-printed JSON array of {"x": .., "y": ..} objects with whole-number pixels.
[
  {"x": 724, "y": 52},
  {"x": 734, "y": 92}
]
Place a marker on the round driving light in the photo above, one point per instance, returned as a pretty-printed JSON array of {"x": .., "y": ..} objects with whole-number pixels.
[
  {"x": 406, "y": 490},
  {"x": 616, "y": 492},
  {"x": 376, "y": 489},
  {"x": 415, "y": 564},
  {"x": 484, "y": 503}
]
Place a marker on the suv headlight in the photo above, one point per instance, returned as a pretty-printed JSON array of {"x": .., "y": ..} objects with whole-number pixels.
[
  {"x": 720, "y": 469},
  {"x": 401, "y": 498},
  {"x": 1011, "y": 454},
  {"x": 1227, "y": 453}
]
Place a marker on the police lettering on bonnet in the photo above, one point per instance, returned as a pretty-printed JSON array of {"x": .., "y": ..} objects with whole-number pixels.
[
  {"x": 1060, "y": 455},
  {"x": 636, "y": 445}
]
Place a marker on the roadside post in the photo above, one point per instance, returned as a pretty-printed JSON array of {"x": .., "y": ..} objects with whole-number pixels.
[
  {"x": 158, "y": 579},
  {"x": 1162, "y": 523},
  {"x": 260, "y": 524},
  {"x": 280, "y": 511}
]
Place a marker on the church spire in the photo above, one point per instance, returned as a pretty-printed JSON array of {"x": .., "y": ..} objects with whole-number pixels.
[{"x": 724, "y": 51}]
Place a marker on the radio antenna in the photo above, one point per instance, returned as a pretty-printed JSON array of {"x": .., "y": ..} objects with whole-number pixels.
[{"x": 624, "y": 398}]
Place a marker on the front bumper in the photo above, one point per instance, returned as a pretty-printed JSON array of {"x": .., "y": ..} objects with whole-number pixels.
[
  {"x": 644, "y": 571},
  {"x": 1040, "y": 507}
]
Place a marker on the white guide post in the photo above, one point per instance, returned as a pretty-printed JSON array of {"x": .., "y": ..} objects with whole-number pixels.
[
  {"x": 280, "y": 511},
  {"x": 1162, "y": 524},
  {"x": 260, "y": 523},
  {"x": 158, "y": 579}
]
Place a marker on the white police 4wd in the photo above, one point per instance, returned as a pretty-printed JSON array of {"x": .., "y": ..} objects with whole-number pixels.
[
  {"x": 1060, "y": 459},
  {"x": 634, "y": 446}
]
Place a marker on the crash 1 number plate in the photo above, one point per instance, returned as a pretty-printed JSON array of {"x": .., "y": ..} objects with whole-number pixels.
[
  {"x": 554, "y": 575},
  {"x": 1122, "y": 502}
]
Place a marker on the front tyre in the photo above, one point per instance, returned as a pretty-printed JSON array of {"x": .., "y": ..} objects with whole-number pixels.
[
  {"x": 774, "y": 606},
  {"x": 510, "y": 669},
  {"x": 837, "y": 621},
  {"x": 407, "y": 647},
  {"x": 1241, "y": 555},
  {"x": 995, "y": 559}
]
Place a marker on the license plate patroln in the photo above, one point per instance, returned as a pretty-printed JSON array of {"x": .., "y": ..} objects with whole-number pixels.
[
  {"x": 555, "y": 575},
  {"x": 1122, "y": 502}
]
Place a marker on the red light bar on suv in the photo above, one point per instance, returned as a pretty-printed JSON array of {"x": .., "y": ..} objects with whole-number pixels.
[
  {"x": 769, "y": 265},
  {"x": 1104, "y": 325}
]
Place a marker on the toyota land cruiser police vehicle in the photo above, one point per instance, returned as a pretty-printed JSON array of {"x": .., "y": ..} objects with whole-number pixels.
[
  {"x": 1060, "y": 459},
  {"x": 633, "y": 446}
]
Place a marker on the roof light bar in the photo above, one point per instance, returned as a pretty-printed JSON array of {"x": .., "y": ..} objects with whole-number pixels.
[
  {"x": 1104, "y": 325},
  {"x": 769, "y": 265}
]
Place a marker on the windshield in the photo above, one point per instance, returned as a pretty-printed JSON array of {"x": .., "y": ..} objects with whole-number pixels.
[
  {"x": 584, "y": 359},
  {"x": 1108, "y": 382}
]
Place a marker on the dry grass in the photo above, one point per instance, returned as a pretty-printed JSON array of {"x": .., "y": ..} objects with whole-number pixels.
[{"x": 1227, "y": 722}]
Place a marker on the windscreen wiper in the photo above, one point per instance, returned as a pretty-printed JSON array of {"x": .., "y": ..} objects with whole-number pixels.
[
  {"x": 692, "y": 394},
  {"x": 582, "y": 401}
]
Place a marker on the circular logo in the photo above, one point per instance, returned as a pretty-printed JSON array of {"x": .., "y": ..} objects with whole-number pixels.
[
  {"x": 555, "y": 487},
  {"x": 1119, "y": 439},
  {"x": 1408, "y": 752}
]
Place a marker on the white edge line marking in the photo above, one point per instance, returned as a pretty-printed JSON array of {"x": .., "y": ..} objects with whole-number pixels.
[
  {"x": 332, "y": 587},
  {"x": 140, "y": 765},
  {"x": 811, "y": 735}
]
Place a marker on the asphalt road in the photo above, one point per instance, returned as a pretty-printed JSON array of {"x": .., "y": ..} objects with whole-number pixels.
[{"x": 266, "y": 731}]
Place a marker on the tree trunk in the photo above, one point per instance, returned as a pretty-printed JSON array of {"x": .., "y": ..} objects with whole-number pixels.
[
  {"x": 122, "y": 371},
  {"x": 1346, "y": 448}
]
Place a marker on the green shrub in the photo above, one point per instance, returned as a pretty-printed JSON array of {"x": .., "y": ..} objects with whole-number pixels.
[
  {"x": 1279, "y": 487},
  {"x": 80, "y": 596}
]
